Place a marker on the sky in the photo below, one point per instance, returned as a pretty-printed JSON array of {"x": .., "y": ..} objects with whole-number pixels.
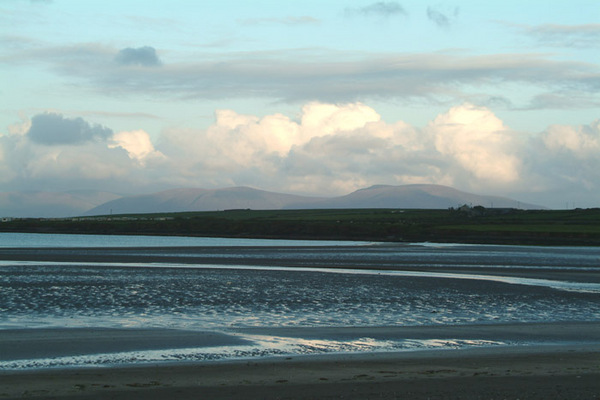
[{"x": 312, "y": 98}]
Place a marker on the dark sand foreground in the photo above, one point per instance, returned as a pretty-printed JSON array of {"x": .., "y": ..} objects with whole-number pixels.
[
  {"x": 564, "y": 372},
  {"x": 565, "y": 366}
]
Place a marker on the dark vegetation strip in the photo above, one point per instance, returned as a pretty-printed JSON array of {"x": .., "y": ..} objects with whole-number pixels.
[{"x": 469, "y": 225}]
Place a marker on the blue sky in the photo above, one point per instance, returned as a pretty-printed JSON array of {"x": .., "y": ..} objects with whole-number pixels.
[{"x": 302, "y": 97}]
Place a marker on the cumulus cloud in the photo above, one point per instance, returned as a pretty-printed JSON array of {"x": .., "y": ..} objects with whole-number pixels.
[
  {"x": 91, "y": 165},
  {"x": 137, "y": 143},
  {"x": 336, "y": 148},
  {"x": 237, "y": 139},
  {"x": 478, "y": 141},
  {"x": 89, "y": 162},
  {"x": 582, "y": 142},
  {"x": 271, "y": 152},
  {"x": 380, "y": 8},
  {"x": 141, "y": 56},
  {"x": 328, "y": 149},
  {"x": 54, "y": 129},
  {"x": 329, "y": 118},
  {"x": 565, "y": 164},
  {"x": 54, "y": 153}
]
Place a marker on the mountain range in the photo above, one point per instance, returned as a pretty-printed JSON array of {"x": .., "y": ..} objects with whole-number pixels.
[
  {"x": 380, "y": 196},
  {"x": 48, "y": 204}
]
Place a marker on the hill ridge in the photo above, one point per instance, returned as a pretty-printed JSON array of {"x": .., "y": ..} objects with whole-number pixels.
[{"x": 428, "y": 196}]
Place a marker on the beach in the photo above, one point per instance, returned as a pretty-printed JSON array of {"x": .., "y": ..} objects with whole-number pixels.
[
  {"x": 380, "y": 321},
  {"x": 566, "y": 366}
]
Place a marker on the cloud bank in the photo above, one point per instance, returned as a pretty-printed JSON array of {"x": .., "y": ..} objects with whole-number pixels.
[
  {"x": 327, "y": 149},
  {"x": 300, "y": 76}
]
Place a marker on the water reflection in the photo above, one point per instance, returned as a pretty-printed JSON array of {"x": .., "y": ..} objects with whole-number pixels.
[{"x": 200, "y": 298}]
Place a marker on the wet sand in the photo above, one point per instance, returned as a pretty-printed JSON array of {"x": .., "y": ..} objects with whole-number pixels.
[
  {"x": 565, "y": 366},
  {"x": 19, "y": 344},
  {"x": 544, "y": 372}
]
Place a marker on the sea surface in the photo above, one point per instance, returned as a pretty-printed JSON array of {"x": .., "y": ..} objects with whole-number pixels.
[{"x": 229, "y": 284}]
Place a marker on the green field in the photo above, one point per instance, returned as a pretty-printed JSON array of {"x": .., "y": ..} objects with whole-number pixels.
[{"x": 476, "y": 225}]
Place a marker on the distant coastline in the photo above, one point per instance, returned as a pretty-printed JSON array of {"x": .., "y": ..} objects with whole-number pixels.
[{"x": 477, "y": 225}]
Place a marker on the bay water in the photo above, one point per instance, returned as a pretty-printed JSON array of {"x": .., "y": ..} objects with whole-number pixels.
[{"x": 296, "y": 286}]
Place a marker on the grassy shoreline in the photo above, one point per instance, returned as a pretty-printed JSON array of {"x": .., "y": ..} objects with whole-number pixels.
[{"x": 579, "y": 227}]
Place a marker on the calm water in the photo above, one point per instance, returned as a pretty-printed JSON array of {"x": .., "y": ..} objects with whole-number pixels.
[
  {"x": 244, "y": 293},
  {"x": 200, "y": 298},
  {"x": 241, "y": 292},
  {"x": 61, "y": 240}
]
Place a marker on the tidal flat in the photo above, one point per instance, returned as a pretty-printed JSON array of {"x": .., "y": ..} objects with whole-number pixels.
[{"x": 296, "y": 320}]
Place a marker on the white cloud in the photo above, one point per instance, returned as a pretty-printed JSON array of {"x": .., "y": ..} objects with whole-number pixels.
[
  {"x": 320, "y": 119},
  {"x": 72, "y": 154},
  {"x": 559, "y": 166},
  {"x": 89, "y": 162},
  {"x": 277, "y": 152},
  {"x": 20, "y": 128},
  {"x": 241, "y": 137},
  {"x": 478, "y": 141},
  {"x": 581, "y": 142},
  {"x": 328, "y": 149},
  {"x": 137, "y": 143},
  {"x": 567, "y": 161},
  {"x": 249, "y": 140}
]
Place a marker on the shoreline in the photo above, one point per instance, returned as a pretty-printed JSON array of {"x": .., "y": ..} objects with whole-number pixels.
[{"x": 482, "y": 226}]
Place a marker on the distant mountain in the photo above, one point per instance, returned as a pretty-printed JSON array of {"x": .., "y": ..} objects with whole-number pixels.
[
  {"x": 178, "y": 200},
  {"x": 418, "y": 196},
  {"x": 51, "y": 204},
  {"x": 76, "y": 203},
  {"x": 380, "y": 196}
]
